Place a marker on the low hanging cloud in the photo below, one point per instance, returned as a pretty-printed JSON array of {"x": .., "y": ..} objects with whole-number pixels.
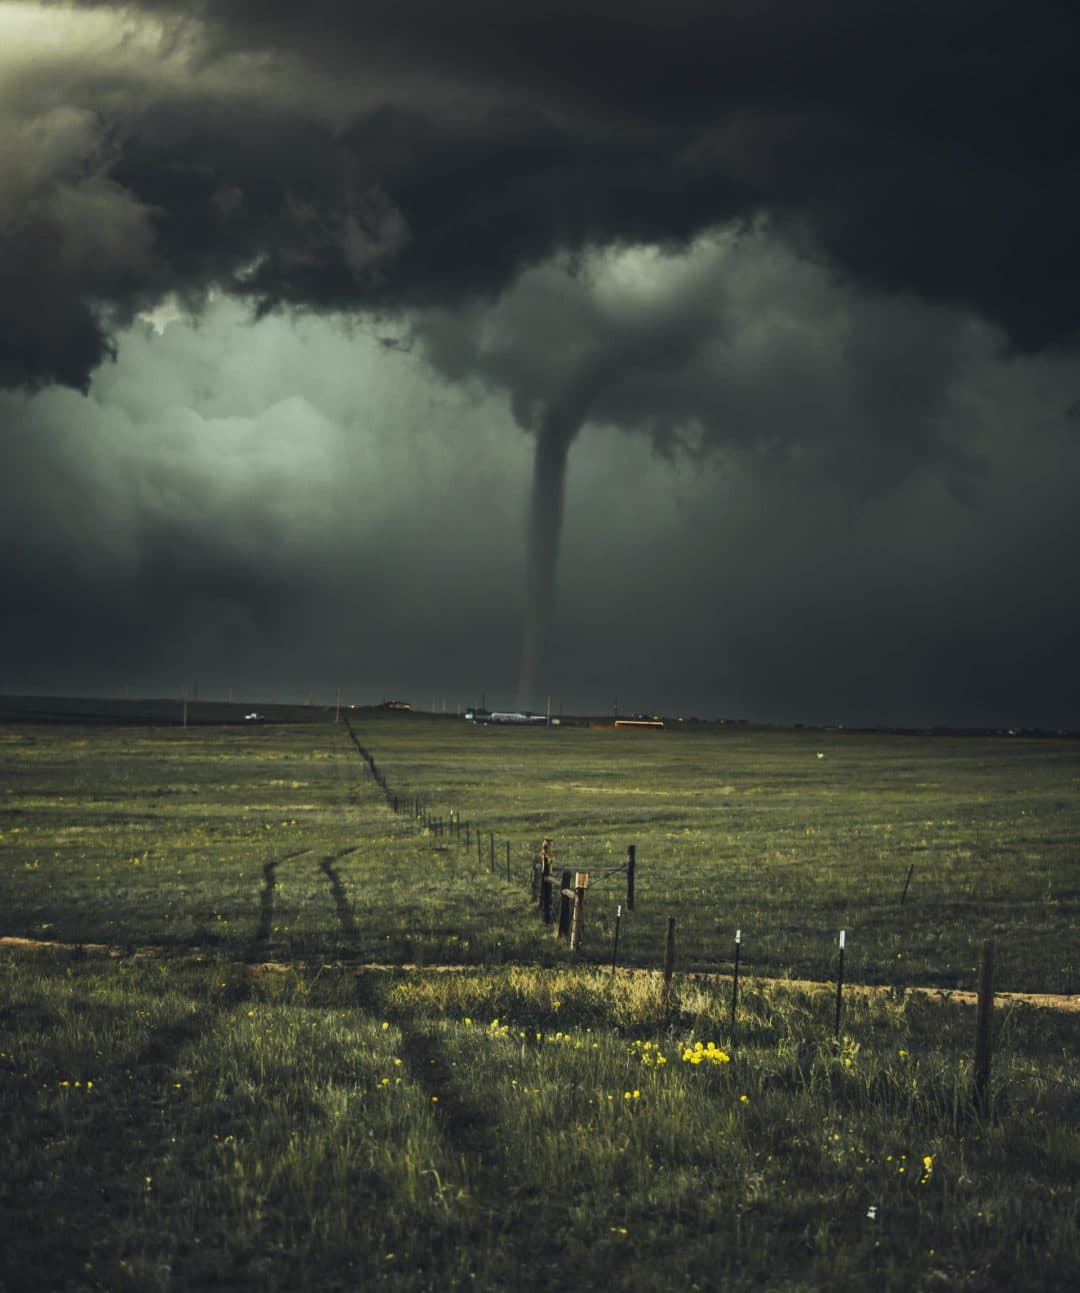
[
  {"x": 730, "y": 344},
  {"x": 286, "y": 506}
]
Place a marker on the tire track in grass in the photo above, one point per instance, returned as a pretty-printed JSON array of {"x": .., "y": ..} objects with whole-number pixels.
[
  {"x": 349, "y": 929},
  {"x": 257, "y": 951},
  {"x": 492, "y": 1223},
  {"x": 464, "y": 1122},
  {"x": 91, "y": 1164}
]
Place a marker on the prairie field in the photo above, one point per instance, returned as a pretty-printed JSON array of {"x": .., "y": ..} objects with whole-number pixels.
[{"x": 258, "y": 1030}]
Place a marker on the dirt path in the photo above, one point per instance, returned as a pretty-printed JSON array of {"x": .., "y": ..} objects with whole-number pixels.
[{"x": 959, "y": 996}]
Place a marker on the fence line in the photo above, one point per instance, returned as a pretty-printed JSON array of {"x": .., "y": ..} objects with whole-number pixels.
[{"x": 570, "y": 927}]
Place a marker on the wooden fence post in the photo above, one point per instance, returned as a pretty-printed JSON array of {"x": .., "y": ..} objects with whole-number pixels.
[
  {"x": 543, "y": 879},
  {"x": 491, "y": 842},
  {"x": 545, "y": 890},
  {"x": 631, "y": 860},
  {"x": 508, "y": 861},
  {"x": 577, "y": 920},
  {"x": 984, "y": 1017},
  {"x": 566, "y": 895}
]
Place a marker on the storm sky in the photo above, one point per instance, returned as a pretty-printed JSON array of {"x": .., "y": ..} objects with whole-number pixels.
[{"x": 736, "y": 338}]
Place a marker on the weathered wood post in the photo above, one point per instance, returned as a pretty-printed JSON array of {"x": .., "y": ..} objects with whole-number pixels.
[
  {"x": 669, "y": 956},
  {"x": 910, "y": 870},
  {"x": 984, "y": 1017},
  {"x": 508, "y": 861},
  {"x": 539, "y": 872},
  {"x": 468, "y": 843},
  {"x": 547, "y": 861},
  {"x": 577, "y": 920},
  {"x": 631, "y": 860},
  {"x": 566, "y": 895},
  {"x": 479, "y": 850},
  {"x": 491, "y": 848}
]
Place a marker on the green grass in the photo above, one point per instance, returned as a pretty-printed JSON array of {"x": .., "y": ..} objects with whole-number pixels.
[
  {"x": 754, "y": 831},
  {"x": 187, "y": 1116},
  {"x": 197, "y": 1125},
  {"x": 276, "y": 842}
]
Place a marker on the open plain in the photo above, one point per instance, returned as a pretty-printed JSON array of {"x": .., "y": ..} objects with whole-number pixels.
[{"x": 215, "y": 1070}]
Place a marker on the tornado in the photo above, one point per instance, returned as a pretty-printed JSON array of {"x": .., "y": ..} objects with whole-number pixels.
[
  {"x": 555, "y": 435},
  {"x": 542, "y": 543}
]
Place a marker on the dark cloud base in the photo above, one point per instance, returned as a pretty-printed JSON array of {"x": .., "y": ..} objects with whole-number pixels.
[
  {"x": 380, "y": 156},
  {"x": 285, "y": 547}
]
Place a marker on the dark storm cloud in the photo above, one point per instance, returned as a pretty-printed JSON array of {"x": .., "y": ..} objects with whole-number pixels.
[
  {"x": 349, "y": 156},
  {"x": 817, "y": 259},
  {"x": 225, "y": 509},
  {"x": 288, "y": 507},
  {"x": 732, "y": 347},
  {"x": 732, "y": 342}
]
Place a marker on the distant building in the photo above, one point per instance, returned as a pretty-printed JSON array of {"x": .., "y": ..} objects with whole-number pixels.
[{"x": 395, "y": 704}]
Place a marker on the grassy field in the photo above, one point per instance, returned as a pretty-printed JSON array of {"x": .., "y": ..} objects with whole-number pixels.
[{"x": 236, "y": 1101}]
